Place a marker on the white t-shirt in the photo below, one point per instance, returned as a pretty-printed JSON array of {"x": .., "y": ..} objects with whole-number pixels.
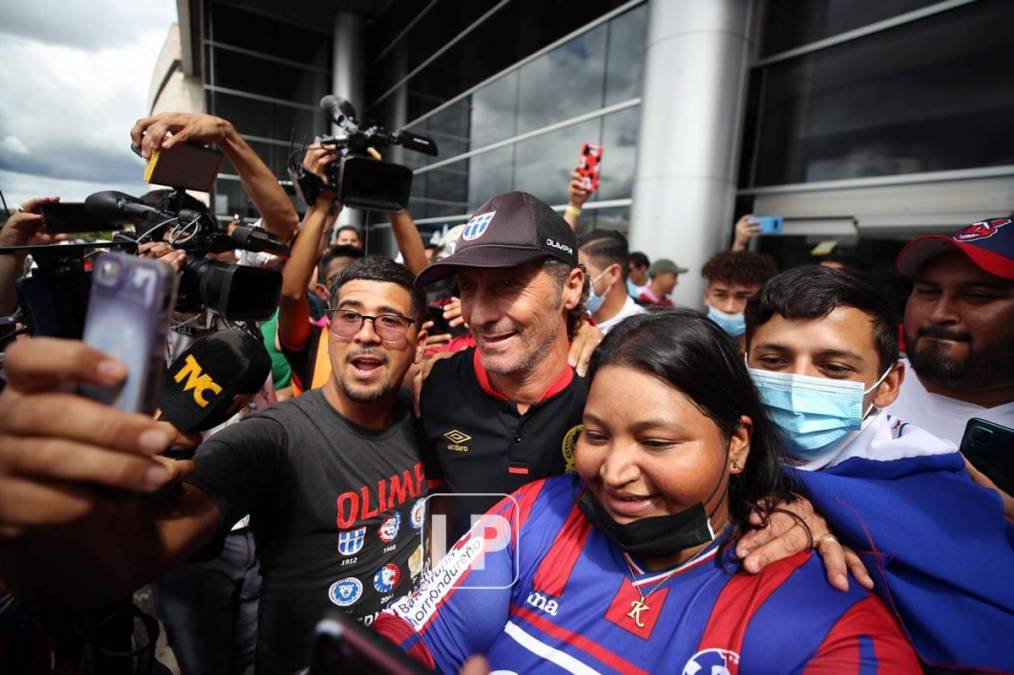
[
  {"x": 630, "y": 308},
  {"x": 941, "y": 415}
]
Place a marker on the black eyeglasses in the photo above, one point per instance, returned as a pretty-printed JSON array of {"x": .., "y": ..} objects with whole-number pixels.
[{"x": 346, "y": 323}]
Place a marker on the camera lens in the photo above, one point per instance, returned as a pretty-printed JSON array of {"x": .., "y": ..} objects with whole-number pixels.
[{"x": 108, "y": 272}]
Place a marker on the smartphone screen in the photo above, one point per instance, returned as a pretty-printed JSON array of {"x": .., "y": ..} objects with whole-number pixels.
[
  {"x": 73, "y": 217},
  {"x": 128, "y": 316}
]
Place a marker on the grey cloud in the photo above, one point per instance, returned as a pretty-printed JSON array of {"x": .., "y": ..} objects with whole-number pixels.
[
  {"x": 99, "y": 24},
  {"x": 75, "y": 162}
]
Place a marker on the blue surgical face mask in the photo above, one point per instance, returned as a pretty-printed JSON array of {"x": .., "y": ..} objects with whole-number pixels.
[
  {"x": 733, "y": 324},
  {"x": 594, "y": 299},
  {"x": 633, "y": 290},
  {"x": 812, "y": 413}
]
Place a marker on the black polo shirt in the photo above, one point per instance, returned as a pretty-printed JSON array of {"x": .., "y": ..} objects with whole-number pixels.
[{"x": 479, "y": 442}]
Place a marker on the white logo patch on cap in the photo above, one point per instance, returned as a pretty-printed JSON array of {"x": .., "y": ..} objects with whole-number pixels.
[{"x": 476, "y": 226}]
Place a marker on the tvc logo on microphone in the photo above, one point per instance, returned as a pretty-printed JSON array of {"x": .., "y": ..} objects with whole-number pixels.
[{"x": 198, "y": 380}]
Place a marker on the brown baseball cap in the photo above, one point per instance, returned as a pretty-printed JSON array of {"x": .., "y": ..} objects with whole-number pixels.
[{"x": 508, "y": 230}]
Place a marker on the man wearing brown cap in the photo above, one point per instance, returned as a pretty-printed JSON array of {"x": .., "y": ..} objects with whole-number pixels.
[
  {"x": 505, "y": 412},
  {"x": 959, "y": 329}
]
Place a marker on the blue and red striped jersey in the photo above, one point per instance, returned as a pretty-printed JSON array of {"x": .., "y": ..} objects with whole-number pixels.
[{"x": 560, "y": 597}]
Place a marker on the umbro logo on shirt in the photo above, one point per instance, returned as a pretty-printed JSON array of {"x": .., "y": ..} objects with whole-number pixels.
[{"x": 457, "y": 440}]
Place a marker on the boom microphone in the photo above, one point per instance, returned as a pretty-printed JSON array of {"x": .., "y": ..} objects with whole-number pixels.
[
  {"x": 338, "y": 108},
  {"x": 119, "y": 207},
  {"x": 201, "y": 387}
]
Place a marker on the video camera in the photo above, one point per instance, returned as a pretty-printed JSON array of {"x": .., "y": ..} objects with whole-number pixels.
[
  {"x": 236, "y": 292},
  {"x": 359, "y": 180},
  {"x": 55, "y": 297}
]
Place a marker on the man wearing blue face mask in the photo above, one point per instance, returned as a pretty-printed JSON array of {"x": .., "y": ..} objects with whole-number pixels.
[
  {"x": 822, "y": 350},
  {"x": 733, "y": 278},
  {"x": 604, "y": 253}
]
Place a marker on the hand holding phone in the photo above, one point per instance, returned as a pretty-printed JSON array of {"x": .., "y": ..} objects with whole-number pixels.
[
  {"x": 769, "y": 224},
  {"x": 128, "y": 315},
  {"x": 588, "y": 166},
  {"x": 343, "y": 645},
  {"x": 990, "y": 448}
]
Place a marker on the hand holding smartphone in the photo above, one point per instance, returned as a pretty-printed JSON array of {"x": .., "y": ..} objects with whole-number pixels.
[
  {"x": 990, "y": 448},
  {"x": 588, "y": 166},
  {"x": 769, "y": 224},
  {"x": 128, "y": 315}
]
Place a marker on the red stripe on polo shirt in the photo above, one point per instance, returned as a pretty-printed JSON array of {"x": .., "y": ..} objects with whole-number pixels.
[
  {"x": 558, "y": 385},
  {"x": 518, "y": 469},
  {"x": 593, "y": 649},
  {"x": 740, "y": 599},
  {"x": 558, "y": 563}
]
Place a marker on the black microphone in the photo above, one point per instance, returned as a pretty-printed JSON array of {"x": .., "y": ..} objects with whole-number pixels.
[
  {"x": 118, "y": 206},
  {"x": 422, "y": 144},
  {"x": 251, "y": 238},
  {"x": 338, "y": 109},
  {"x": 200, "y": 388}
]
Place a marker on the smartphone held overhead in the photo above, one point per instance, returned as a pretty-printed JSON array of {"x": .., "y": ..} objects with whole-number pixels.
[
  {"x": 588, "y": 166},
  {"x": 769, "y": 224}
]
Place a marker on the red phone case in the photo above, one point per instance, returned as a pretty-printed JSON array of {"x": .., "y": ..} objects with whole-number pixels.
[{"x": 588, "y": 166}]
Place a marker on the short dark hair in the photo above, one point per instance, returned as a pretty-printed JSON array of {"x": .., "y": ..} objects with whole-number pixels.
[
  {"x": 381, "y": 268},
  {"x": 346, "y": 227},
  {"x": 336, "y": 251},
  {"x": 606, "y": 247},
  {"x": 560, "y": 271},
  {"x": 638, "y": 259},
  {"x": 740, "y": 267},
  {"x": 689, "y": 352},
  {"x": 813, "y": 292}
]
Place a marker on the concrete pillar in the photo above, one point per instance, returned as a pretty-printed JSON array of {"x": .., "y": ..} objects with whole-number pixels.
[
  {"x": 348, "y": 79},
  {"x": 694, "y": 90}
]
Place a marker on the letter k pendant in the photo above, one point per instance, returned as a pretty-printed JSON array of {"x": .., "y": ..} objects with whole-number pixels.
[{"x": 636, "y": 607}]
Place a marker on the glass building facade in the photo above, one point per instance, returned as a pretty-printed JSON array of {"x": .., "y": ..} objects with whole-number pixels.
[
  {"x": 510, "y": 100},
  {"x": 864, "y": 120},
  {"x": 264, "y": 76}
]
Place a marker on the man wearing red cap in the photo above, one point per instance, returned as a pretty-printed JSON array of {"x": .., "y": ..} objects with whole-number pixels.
[{"x": 959, "y": 328}]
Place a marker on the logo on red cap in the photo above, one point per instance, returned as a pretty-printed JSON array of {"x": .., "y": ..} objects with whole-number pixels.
[{"x": 981, "y": 230}]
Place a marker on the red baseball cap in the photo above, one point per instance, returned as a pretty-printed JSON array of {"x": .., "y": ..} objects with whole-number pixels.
[{"x": 989, "y": 244}]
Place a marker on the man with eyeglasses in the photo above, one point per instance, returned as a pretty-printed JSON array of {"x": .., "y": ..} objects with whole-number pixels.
[
  {"x": 332, "y": 480},
  {"x": 302, "y": 335}
]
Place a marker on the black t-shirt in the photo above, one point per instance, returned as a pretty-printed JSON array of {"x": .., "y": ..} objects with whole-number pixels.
[
  {"x": 335, "y": 510},
  {"x": 478, "y": 442}
]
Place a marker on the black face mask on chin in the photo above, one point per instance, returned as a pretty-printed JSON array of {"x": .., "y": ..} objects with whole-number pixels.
[{"x": 656, "y": 536}]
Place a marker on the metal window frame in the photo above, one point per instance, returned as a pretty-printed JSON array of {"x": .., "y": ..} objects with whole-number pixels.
[
  {"x": 462, "y": 217},
  {"x": 591, "y": 25},
  {"x": 881, "y": 181},
  {"x": 857, "y": 33},
  {"x": 577, "y": 119},
  {"x": 258, "y": 97},
  {"x": 404, "y": 31},
  {"x": 266, "y": 57}
]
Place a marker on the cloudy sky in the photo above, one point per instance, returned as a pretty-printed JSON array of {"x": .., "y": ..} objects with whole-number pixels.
[{"x": 74, "y": 76}]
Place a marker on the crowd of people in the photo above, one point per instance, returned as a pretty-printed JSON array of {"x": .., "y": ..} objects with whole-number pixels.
[{"x": 511, "y": 444}]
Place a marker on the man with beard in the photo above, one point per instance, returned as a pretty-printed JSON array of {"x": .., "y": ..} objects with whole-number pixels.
[
  {"x": 506, "y": 412},
  {"x": 959, "y": 329},
  {"x": 332, "y": 480}
]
